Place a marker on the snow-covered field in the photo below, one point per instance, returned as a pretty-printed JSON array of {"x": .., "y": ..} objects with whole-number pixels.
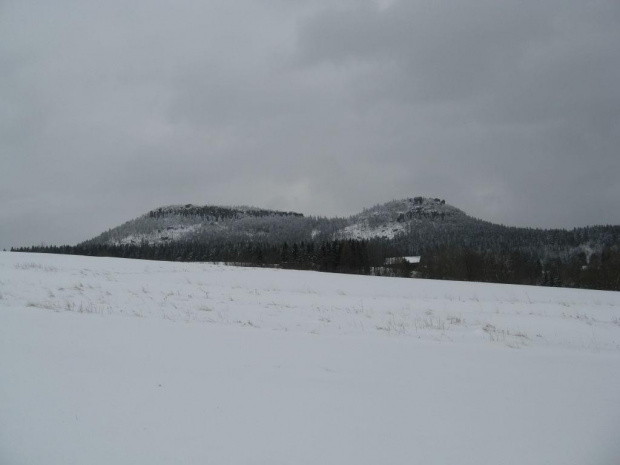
[{"x": 110, "y": 361}]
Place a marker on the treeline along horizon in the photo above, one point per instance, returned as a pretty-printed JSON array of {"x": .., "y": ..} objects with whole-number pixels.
[{"x": 599, "y": 270}]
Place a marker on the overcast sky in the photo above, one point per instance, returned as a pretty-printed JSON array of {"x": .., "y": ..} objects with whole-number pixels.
[{"x": 508, "y": 110}]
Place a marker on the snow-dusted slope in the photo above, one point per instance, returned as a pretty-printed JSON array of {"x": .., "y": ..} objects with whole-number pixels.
[
  {"x": 192, "y": 222},
  {"x": 121, "y": 361},
  {"x": 393, "y": 218},
  {"x": 200, "y": 222}
]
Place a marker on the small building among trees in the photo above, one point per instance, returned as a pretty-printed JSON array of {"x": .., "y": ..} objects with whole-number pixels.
[{"x": 404, "y": 267}]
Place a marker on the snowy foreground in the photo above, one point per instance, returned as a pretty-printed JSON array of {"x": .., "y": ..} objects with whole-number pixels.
[{"x": 110, "y": 361}]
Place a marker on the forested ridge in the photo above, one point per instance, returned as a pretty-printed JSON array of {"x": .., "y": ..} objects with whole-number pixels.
[{"x": 452, "y": 244}]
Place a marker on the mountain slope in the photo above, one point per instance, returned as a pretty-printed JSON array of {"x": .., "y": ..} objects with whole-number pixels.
[
  {"x": 203, "y": 223},
  {"x": 200, "y": 223},
  {"x": 397, "y": 217},
  {"x": 409, "y": 226}
]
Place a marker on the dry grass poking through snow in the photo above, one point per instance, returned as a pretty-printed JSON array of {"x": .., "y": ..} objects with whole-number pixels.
[
  {"x": 123, "y": 361},
  {"x": 320, "y": 304}
]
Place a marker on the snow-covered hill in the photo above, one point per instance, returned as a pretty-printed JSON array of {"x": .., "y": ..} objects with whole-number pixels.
[
  {"x": 198, "y": 222},
  {"x": 191, "y": 222},
  {"x": 394, "y": 218},
  {"x": 125, "y": 361}
]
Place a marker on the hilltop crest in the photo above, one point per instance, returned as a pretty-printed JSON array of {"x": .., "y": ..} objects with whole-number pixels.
[
  {"x": 215, "y": 213},
  {"x": 393, "y": 218},
  {"x": 191, "y": 222}
]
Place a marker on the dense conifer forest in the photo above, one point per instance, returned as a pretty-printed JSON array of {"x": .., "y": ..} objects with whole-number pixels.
[{"x": 599, "y": 271}]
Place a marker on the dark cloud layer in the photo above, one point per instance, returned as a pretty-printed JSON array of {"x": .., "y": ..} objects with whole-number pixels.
[{"x": 509, "y": 110}]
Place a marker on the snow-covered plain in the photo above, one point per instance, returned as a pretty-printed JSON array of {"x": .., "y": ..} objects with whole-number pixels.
[{"x": 110, "y": 361}]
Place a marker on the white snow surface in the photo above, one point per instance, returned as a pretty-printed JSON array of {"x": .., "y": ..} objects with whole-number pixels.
[
  {"x": 111, "y": 361},
  {"x": 157, "y": 237},
  {"x": 412, "y": 260},
  {"x": 362, "y": 231}
]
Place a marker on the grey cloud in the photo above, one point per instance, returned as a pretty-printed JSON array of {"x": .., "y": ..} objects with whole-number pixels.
[
  {"x": 445, "y": 49},
  {"x": 508, "y": 110},
  {"x": 502, "y": 87}
]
